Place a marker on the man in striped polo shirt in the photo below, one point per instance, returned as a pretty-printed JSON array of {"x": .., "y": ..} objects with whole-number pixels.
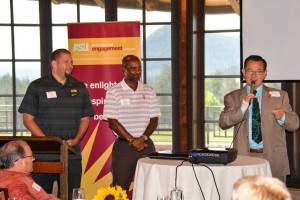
[{"x": 132, "y": 112}]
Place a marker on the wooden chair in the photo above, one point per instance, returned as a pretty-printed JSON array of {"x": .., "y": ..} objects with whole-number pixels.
[{"x": 3, "y": 193}]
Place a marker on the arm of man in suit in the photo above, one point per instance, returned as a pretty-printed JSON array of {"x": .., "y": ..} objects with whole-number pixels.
[
  {"x": 291, "y": 122},
  {"x": 232, "y": 113}
]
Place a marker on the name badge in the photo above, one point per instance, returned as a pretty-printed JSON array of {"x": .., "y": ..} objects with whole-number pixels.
[
  {"x": 125, "y": 102},
  {"x": 274, "y": 93},
  {"x": 36, "y": 187},
  {"x": 51, "y": 95}
]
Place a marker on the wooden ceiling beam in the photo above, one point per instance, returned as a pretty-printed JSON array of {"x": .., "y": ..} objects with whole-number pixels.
[
  {"x": 100, "y": 3},
  {"x": 235, "y": 4}
]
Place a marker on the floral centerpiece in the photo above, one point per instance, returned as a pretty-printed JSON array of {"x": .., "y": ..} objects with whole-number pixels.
[{"x": 111, "y": 193}]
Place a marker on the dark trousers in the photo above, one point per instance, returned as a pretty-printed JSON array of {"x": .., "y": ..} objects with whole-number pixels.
[
  {"x": 74, "y": 178},
  {"x": 124, "y": 160}
]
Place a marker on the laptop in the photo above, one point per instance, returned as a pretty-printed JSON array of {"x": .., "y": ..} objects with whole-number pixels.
[{"x": 169, "y": 155}]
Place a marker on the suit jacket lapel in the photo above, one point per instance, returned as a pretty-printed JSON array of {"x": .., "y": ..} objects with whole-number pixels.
[
  {"x": 243, "y": 92},
  {"x": 265, "y": 100}
]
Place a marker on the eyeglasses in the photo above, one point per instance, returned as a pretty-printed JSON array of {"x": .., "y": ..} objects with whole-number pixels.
[
  {"x": 32, "y": 156},
  {"x": 258, "y": 72}
]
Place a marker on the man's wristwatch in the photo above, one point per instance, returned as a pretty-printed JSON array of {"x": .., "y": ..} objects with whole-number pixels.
[{"x": 145, "y": 137}]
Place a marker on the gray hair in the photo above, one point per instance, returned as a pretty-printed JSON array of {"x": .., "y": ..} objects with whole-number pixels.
[{"x": 10, "y": 152}]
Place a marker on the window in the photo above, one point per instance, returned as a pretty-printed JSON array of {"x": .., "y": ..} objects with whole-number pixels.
[
  {"x": 156, "y": 60},
  {"x": 21, "y": 58},
  {"x": 222, "y": 72}
]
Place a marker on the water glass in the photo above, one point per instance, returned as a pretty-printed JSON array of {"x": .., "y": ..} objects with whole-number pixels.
[
  {"x": 78, "y": 194},
  {"x": 176, "y": 193},
  {"x": 163, "y": 197}
]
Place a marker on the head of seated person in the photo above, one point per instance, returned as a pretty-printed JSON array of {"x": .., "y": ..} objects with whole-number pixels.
[
  {"x": 16, "y": 165},
  {"x": 16, "y": 156},
  {"x": 260, "y": 188}
]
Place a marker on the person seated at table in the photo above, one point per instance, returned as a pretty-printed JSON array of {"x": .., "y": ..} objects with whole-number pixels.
[
  {"x": 16, "y": 164},
  {"x": 260, "y": 187}
]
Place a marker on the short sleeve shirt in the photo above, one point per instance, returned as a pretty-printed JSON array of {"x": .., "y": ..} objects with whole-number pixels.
[
  {"x": 22, "y": 185},
  {"x": 57, "y": 108},
  {"x": 133, "y": 109}
]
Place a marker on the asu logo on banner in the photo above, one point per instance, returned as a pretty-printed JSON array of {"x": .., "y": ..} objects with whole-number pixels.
[
  {"x": 101, "y": 51},
  {"x": 80, "y": 47},
  {"x": 97, "y": 50}
]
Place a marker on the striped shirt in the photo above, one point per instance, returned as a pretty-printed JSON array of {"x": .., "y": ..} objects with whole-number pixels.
[{"x": 133, "y": 109}]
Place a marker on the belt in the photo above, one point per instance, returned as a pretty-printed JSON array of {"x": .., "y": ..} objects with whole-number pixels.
[{"x": 256, "y": 150}]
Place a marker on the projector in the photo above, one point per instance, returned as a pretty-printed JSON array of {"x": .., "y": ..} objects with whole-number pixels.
[{"x": 213, "y": 155}]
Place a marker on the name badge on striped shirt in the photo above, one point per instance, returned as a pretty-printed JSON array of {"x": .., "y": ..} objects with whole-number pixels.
[{"x": 125, "y": 102}]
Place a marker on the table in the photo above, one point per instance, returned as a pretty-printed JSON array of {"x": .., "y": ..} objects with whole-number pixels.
[
  {"x": 155, "y": 177},
  {"x": 48, "y": 145}
]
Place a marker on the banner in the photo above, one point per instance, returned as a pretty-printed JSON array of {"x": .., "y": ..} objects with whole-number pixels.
[{"x": 97, "y": 50}]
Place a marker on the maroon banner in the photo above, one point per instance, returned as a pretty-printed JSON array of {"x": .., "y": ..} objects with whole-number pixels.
[{"x": 97, "y": 50}]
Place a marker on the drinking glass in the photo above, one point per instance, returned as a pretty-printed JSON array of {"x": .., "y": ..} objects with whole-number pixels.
[
  {"x": 78, "y": 194},
  {"x": 176, "y": 193},
  {"x": 163, "y": 197}
]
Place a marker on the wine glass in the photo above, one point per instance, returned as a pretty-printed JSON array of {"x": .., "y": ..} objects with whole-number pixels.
[
  {"x": 176, "y": 193},
  {"x": 163, "y": 197},
  {"x": 78, "y": 194}
]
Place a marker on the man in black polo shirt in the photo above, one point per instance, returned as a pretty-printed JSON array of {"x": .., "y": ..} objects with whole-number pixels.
[{"x": 58, "y": 105}]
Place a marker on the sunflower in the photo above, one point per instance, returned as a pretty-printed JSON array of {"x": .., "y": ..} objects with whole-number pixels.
[
  {"x": 111, "y": 193},
  {"x": 106, "y": 194},
  {"x": 122, "y": 193}
]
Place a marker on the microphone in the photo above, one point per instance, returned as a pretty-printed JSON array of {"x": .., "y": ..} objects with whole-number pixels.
[{"x": 252, "y": 88}]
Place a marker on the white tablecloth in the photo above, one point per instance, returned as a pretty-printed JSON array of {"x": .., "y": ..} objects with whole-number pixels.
[{"x": 155, "y": 177}]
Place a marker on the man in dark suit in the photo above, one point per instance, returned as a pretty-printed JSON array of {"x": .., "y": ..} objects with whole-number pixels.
[{"x": 276, "y": 116}]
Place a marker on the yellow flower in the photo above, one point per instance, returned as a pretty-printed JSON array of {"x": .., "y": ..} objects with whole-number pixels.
[
  {"x": 111, "y": 193},
  {"x": 122, "y": 193}
]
